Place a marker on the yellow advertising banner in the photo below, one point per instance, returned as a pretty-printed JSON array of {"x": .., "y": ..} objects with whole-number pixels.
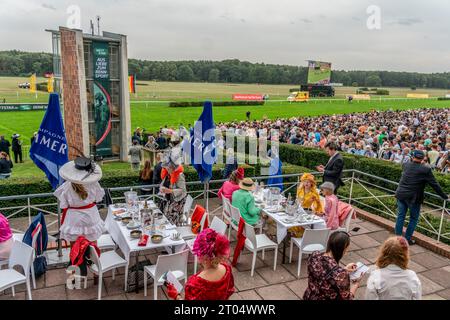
[
  {"x": 302, "y": 96},
  {"x": 418, "y": 95},
  {"x": 50, "y": 84},
  {"x": 33, "y": 83}
]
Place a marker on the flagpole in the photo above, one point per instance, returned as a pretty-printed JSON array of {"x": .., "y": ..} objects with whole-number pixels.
[{"x": 59, "y": 232}]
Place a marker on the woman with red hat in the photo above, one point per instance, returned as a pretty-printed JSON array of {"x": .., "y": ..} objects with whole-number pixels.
[{"x": 230, "y": 186}]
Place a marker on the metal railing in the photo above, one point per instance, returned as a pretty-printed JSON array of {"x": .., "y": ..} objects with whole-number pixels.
[{"x": 366, "y": 191}]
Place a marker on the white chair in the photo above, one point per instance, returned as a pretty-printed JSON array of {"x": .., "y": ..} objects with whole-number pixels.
[
  {"x": 21, "y": 255},
  {"x": 226, "y": 212},
  {"x": 235, "y": 218},
  {"x": 176, "y": 263},
  {"x": 312, "y": 240},
  {"x": 219, "y": 226},
  {"x": 105, "y": 242},
  {"x": 186, "y": 231},
  {"x": 259, "y": 242},
  {"x": 107, "y": 261},
  {"x": 346, "y": 225}
]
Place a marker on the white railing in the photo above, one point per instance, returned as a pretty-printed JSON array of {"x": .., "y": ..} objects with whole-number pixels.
[{"x": 369, "y": 187}]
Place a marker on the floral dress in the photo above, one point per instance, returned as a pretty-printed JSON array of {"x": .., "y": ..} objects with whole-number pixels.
[{"x": 326, "y": 279}]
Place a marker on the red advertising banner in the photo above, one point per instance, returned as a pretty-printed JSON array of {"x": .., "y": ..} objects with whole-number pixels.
[{"x": 248, "y": 97}]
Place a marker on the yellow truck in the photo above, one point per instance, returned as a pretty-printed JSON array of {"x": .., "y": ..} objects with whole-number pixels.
[{"x": 298, "y": 96}]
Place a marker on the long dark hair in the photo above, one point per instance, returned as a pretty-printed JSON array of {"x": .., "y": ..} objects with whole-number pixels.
[
  {"x": 337, "y": 243},
  {"x": 147, "y": 172}
]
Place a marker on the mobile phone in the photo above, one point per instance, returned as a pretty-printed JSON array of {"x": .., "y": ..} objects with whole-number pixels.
[
  {"x": 356, "y": 229},
  {"x": 361, "y": 269}
]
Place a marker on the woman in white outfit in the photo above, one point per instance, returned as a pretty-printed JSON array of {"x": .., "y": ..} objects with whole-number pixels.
[
  {"x": 392, "y": 280},
  {"x": 78, "y": 196}
]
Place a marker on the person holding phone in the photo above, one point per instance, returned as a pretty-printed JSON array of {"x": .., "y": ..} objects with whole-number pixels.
[
  {"x": 327, "y": 280},
  {"x": 215, "y": 281},
  {"x": 392, "y": 280}
]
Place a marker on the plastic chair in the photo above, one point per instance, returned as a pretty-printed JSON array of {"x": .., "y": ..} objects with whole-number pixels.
[
  {"x": 226, "y": 212},
  {"x": 219, "y": 226},
  {"x": 312, "y": 240},
  {"x": 259, "y": 242},
  {"x": 176, "y": 263},
  {"x": 186, "y": 231},
  {"x": 105, "y": 242},
  {"x": 109, "y": 260},
  {"x": 235, "y": 218},
  {"x": 21, "y": 255},
  {"x": 346, "y": 225}
]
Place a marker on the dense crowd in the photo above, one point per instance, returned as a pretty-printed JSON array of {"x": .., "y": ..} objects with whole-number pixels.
[{"x": 387, "y": 135}]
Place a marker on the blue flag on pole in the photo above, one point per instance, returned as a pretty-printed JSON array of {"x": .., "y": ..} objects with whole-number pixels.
[
  {"x": 203, "y": 143},
  {"x": 49, "y": 150}
]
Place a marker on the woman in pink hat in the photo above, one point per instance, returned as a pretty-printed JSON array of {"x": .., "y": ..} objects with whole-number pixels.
[
  {"x": 230, "y": 186},
  {"x": 6, "y": 238}
]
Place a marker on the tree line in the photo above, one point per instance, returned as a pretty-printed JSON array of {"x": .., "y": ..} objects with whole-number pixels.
[{"x": 18, "y": 63}]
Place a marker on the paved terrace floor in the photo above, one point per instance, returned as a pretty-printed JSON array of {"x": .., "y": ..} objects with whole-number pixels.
[{"x": 266, "y": 284}]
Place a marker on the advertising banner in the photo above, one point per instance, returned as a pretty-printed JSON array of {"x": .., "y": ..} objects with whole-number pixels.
[
  {"x": 248, "y": 97},
  {"x": 418, "y": 95},
  {"x": 33, "y": 83},
  {"x": 132, "y": 83},
  {"x": 319, "y": 72},
  {"x": 22, "y": 106},
  {"x": 102, "y": 98}
]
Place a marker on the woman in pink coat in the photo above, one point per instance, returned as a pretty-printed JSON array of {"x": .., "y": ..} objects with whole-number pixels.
[
  {"x": 6, "y": 238},
  {"x": 230, "y": 186},
  {"x": 331, "y": 215}
]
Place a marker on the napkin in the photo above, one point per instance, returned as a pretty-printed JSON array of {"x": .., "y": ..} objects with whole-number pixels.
[{"x": 143, "y": 240}]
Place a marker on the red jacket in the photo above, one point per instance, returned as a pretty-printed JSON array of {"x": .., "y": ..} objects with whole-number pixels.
[
  {"x": 79, "y": 249},
  {"x": 200, "y": 289}
]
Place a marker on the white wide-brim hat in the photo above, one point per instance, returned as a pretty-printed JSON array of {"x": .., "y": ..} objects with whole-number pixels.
[{"x": 70, "y": 173}]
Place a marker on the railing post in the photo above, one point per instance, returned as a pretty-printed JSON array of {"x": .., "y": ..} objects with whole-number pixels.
[
  {"x": 351, "y": 188},
  {"x": 29, "y": 210},
  {"x": 442, "y": 220}
]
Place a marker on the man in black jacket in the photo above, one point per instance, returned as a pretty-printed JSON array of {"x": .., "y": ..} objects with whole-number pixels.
[
  {"x": 332, "y": 171},
  {"x": 17, "y": 148},
  {"x": 4, "y": 145},
  {"x": 410, "y": 193}
]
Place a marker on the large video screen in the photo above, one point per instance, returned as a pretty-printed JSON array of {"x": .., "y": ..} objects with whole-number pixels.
[{"x": 319, "y": 72}]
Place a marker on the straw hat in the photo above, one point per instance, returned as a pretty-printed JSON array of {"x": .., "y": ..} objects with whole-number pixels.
[
  {"x": 247, "y": 184},
  {"x": 81, "y": 171}
]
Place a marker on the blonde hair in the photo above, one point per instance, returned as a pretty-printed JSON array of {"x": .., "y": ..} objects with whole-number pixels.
[
  {"x": 80, "y": 190},
  {"x": 395, "y": 250}
]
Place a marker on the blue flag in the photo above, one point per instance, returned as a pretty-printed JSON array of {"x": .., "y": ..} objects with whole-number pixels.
[
  {"x": 203, "y": 143},
  {"x": 49, "y": 150}
]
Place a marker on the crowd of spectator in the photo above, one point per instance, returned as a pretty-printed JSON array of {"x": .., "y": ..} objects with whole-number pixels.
[{"x": 388, "y": 135}]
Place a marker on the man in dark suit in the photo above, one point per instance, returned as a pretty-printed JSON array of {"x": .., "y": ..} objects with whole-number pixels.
[
  {"x": 410, "y": 193},
  {"x": 4, "y": 145},
  {"x": 332, "y": 171}
]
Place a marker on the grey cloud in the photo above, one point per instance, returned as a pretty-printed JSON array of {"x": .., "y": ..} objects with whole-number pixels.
[
  {"x": 305, "y": 20},
  {"x": 407, "y": 21},
  {"x": 48, "y": 6}
]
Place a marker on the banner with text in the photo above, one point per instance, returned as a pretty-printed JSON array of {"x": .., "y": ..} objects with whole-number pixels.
[
  {"x": 248, "y": 97},
  {"x": 102, "y": 98}
]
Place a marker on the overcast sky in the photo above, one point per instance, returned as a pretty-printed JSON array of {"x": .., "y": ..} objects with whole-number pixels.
[{"x": 414, "y": 34}]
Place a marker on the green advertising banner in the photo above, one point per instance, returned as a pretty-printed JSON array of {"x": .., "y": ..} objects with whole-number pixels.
[
  {"x": 22, "y": 106},
  {"x": 102, "y": 98}
]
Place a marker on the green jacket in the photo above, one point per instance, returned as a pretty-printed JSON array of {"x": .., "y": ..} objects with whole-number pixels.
[{"x": 245, "y": 202}]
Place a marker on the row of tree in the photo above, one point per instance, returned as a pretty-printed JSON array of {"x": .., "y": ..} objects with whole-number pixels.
[{"x": 17, "y": 63}]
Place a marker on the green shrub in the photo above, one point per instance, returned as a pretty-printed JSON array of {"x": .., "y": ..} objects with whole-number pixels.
[
  {"x": 443, "y": 98},
  {"x": 382, "y": 92}
]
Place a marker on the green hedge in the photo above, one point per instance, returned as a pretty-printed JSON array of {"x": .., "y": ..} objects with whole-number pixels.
[
  {"x": 312, "y": 157},
  {"x": 184, "y": 104},
  {"x": 443, "y": 98}
]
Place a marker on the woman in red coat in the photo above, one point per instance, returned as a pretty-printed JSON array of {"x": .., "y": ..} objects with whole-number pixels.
[{"x": 216, "y": 281}]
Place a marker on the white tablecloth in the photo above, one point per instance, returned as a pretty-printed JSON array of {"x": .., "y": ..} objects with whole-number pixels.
[
  {"x": 121, "y": 236},
  {"x": 282, "y": 226}
]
